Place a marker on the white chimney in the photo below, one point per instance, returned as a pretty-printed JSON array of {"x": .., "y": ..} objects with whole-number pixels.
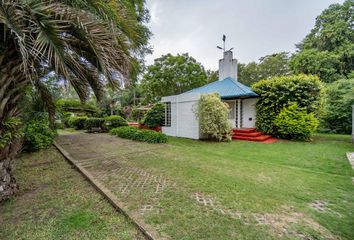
[{"x": 227, "y": 66}]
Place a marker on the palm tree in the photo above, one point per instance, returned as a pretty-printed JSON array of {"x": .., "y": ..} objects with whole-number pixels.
[{"x": 89, "y": 43}]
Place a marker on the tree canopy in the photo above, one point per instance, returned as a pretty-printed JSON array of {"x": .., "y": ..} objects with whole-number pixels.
[
  {"x": 87, "y": 43},
  {"x": 171, "y": 75},
  {"x": 269, "y": 66},
  {"x": 328, "y": 50}
]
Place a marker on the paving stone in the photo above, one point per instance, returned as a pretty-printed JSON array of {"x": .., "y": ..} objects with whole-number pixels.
[{"x": 319, "y": 205}]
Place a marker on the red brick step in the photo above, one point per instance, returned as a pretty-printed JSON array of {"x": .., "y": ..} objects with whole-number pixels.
[
  {"x": 251, "y": 134},
  {"x": 255, "y": 139}
]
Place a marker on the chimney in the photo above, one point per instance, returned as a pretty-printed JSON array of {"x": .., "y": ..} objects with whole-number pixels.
[{"x": 228, "y": 66}]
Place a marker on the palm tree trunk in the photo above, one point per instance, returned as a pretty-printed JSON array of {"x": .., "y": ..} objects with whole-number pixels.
[{"x": 12, "y": 89}]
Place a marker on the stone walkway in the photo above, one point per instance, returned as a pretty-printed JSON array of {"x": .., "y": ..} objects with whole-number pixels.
[{"x": 107, "y": 159}]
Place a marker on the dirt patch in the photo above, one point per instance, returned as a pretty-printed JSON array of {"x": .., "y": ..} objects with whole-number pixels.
[{"x": 286, "y": 224}]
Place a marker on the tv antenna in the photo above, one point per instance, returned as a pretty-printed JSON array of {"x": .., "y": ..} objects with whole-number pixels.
[{"x": 224, "y": 43}]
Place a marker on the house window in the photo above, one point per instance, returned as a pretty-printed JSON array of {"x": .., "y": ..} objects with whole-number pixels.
[
  {"x": 232, "y": 110},
  {"x": 167, "y": 122}
]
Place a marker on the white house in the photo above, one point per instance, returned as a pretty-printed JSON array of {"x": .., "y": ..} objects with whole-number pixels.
[{"x": 180, "y": 117}]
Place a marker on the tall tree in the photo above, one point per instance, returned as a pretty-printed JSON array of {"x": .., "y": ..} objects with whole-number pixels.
[
  {"x": 328, "y": 50},
  {"x": 85, "y": 42},
  {"x": 170, "y": 75},
  {"x": 269, "y": 66}
]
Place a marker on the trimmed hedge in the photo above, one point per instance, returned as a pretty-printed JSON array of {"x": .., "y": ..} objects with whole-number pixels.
[
  {"x": 278, "y": 92},
  {"x": 94, "y": 123},
  {"x": 136, "y": 134},
  {"x": 295, "y": 123},
  {"x": 77, "y": 122},
  {"x": 114, "y": 121}
]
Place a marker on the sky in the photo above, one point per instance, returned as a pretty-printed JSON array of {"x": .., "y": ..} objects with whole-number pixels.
[{"x": 254, "y": 28}]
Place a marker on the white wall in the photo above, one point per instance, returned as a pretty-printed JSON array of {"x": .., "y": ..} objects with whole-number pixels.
[
  {"x": 249, "y": 112},
  {"x": 183, "y": 119}
]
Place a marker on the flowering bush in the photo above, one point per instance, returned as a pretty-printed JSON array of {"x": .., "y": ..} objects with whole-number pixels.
[{"x": 213, "y": 117}]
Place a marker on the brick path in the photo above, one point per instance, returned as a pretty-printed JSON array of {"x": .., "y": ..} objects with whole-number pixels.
[{"x": 108, "y": 160}]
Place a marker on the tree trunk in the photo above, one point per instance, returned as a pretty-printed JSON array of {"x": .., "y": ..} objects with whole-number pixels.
[
  {"x": 12, "y": 89},
  {"x": 8, "y": 185}
]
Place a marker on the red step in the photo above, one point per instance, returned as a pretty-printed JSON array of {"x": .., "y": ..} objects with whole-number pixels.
[
  {"x": 243, "y": 130},
  {"x": 254, "y": 139},
  {"x": 250, "y": 134}
]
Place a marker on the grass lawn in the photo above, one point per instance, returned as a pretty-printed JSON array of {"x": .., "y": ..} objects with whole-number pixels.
[
  {"x": 246, "y": 190},
  {"x": 295, "y": 190},
  {"x": 55, "y": 202}
]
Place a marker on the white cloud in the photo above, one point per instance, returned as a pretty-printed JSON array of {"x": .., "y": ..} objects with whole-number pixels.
[{"x": 254, "y": 27}]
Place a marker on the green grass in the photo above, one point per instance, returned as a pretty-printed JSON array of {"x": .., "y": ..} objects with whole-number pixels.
[
  {"x": 55, "y": 202},
  {"x": 275, "y": 180}
]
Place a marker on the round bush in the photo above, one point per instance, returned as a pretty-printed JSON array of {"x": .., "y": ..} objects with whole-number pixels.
[
  {"x": 114, "y": 121},
  {"x": 295, "y": 123},
  {"x": 38, "y": 135},
  {"x": 154, "y": 117}
]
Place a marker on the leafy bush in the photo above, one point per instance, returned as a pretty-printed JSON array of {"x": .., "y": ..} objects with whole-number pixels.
[
  {"x": 10, "y": 129},
  {"x": 337, "y": 114},
  {"x": 213, "y": 117},
  {"x": 77, "y": 122},
  {"x": 154, "y": 117},
  {"x": 94, "y": 123},
  {"x": 38, "y": 135},
  {"x": 114, "y": 121},
  {"x": 150, "y": 136},
  {"x": 134, "y": 133},
  {"x": 124, "y": 132},
  {"x": 278, "y": 92},
  {"x": 295, "y": 123}
]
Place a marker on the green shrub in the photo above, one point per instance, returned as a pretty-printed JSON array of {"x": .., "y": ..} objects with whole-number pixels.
[
  {"x": 114, "y": 121},
  {"x": 77, "y": 122},
  {"x": 150, "y": 136},
  {"x": 295, "y": 123},
  {"x": 94, "y": 123},
  {"x": 59, "y": 125},
  {"x": 337, "y": 114},
  {"x": 124, "y": 132},
  {"x": 213, "y": 117},
  {"x": 154, "y": 117},
  {"x": 38, "y": 135},
  {"x": 134, "y": 133},
  {"x": 278, "y": 92},
  {"x": 10, "y": 129}
]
